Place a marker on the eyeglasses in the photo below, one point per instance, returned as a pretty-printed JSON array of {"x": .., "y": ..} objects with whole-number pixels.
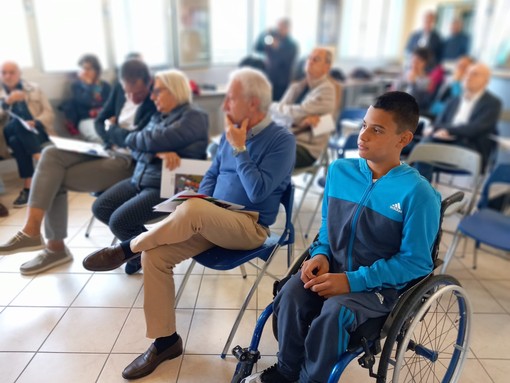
[{"x": 157, "y": 91}]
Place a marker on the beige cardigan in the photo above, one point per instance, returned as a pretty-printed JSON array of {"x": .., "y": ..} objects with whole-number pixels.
[{"x": 320, "y": 100}]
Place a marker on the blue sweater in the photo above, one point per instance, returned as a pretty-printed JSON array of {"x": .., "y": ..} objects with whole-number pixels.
[
  {"x": 256, "y": 178},
  {"x": 379, "y": 233}
]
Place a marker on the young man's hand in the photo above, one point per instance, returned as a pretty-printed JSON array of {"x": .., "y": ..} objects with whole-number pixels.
[
  {"x": 314, "y": 267},
  {"x": 329, "y": 284}
]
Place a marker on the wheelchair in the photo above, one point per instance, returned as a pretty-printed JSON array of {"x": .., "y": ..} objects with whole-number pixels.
[{"x": 426, "y": 334}]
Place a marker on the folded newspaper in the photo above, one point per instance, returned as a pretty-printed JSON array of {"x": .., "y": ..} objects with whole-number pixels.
[{"x": 170, "y": 204}]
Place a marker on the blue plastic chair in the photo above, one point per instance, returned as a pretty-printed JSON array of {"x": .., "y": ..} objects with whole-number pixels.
[
  {"x": 485, "y": 225},
  {"x": 218, "y": 258},
  {"x": 348, "y": 114}
]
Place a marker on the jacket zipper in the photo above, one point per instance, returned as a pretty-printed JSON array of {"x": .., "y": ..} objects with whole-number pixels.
[{"x": 361, "y": 205}]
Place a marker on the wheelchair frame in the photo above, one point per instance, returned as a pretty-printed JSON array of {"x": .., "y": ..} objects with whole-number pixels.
[{"x": 418, "y": 342}]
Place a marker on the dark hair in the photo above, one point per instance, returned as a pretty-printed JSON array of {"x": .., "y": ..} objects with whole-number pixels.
[
  {"x": 403, "y": 107},
  {"x": 422, "y": 53},
  {"x": 92, "y": 60},
  {"x": 134, "y": 70}
]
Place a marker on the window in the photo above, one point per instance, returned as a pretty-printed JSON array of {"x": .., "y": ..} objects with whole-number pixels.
[
  {"x": 140, "y": 26},
  {"x": 370, "y": 29},
  {"x": 229, "y": 31},
  {"x": 304, "y": 20},
  {"x": 67, "y": 30},
  {"x": 14, "y": 23},
  {"x": 193, "y": 31}
]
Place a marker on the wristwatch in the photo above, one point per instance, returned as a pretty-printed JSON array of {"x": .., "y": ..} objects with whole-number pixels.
[{"x": 238, "y": 149}]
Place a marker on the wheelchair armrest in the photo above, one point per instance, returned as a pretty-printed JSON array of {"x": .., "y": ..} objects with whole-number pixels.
[{"x": 401, "y": 302}]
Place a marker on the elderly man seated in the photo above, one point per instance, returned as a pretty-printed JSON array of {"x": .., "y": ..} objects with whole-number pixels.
[
  {"x": 253, "y": 167},
  {"x": 469, "y": 119},
  {"x": 26, "y": 119},
  {"x": 303, "y": 104}
]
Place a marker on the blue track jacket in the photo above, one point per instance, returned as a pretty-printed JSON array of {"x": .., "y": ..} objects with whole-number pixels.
[{"x": 379, "y": 233}]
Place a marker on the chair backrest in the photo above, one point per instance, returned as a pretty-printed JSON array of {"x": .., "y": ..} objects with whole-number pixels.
[
  {"x": 445, "y": 157},
  {"x": 445, "y": 203},
  {"x": 500, "y": 174},
  {"x": 350, "y": 144},
  {"x": 349, "y": 114}
]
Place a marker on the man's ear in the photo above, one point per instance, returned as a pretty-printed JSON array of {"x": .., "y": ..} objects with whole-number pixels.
[
  {"x": 255, "y": 103},
  {"x": 406, "y": 138}
]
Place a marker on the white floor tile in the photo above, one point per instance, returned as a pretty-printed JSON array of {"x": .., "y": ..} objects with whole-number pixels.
[
  {"x": 51, "y": 290},
  {"x": 63, "y": 368},
  {"x": 12, "y": 364},
  {"x": 26, "y": 328},
  {"x": 86, "y": 330},
  {"x": 109, "y": 290}
]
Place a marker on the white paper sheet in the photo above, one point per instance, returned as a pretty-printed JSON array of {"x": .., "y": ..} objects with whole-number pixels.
[
  {"x": 77, "y": 146},
  {"x": 23, "y": 122},
  {"x": 326, "y": 125},
  {"x": 186, "y": 176}
]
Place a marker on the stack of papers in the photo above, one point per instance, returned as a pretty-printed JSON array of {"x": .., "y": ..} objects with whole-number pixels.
[
  {"x": 171, "y": 204},
  {"x": 70, "y": 145}
]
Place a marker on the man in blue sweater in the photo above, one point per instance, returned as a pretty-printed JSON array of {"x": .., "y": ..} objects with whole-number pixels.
[
  {"x": 253, "y": 167},
  {"x": 379, "y": 222}
]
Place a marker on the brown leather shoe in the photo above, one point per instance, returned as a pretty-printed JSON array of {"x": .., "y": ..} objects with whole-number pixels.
[
  {"x": 106, "y": 259},
  {"x": 149, "y": 360}
]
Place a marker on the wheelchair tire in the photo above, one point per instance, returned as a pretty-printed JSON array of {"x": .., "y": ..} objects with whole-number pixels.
[{"x": 429, "y": 339}]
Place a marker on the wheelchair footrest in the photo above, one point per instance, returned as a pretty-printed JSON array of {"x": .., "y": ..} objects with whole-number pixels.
[
  {"x": 247, "y": 358},
  {"x": 367, "y": 360}
]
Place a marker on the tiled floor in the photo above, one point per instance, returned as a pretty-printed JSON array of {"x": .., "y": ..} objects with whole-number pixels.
[{"x": 70, "y": 325}]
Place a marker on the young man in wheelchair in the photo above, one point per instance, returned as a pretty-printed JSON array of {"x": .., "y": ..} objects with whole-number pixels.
[{"x": 379, "y": 222}]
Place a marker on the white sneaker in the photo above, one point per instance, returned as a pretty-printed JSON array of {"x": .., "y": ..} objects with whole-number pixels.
[
  {"x": 269, "y": 375},
  {"x": 46, "y": 260}
]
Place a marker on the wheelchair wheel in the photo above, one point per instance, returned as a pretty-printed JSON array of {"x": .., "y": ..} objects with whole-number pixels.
[{"x": 429, "y": 339}]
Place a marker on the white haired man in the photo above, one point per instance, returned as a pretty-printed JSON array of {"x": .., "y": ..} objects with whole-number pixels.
[{"x": 253, "y": 167}]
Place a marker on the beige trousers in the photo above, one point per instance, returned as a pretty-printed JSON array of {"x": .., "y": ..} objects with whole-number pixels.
[{"x": 195, "y": 226}]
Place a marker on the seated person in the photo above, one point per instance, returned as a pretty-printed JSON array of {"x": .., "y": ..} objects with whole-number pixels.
[
  {"x": 417, "y": 81},
  {"x": 354, "y": 276},
  {"x": 27, "y": 130},
  {"x": 88, "y": 95},
  {"x": 451, "y": 88},
  {"x": 253, "y": 167},
  {"x": 177, "y": 131},
  {"x": 469, "y": 119},
  {"x": 303, "y": 102},
  {"x": 59, "y": 171}
]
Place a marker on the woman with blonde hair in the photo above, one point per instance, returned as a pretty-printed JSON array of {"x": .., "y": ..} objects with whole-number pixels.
[{"x": 177, "y": 131}]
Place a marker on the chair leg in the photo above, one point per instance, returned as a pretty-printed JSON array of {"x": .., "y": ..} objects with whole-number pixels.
[
  {"x": 290, "y": 254},
  {"x": 89, "y": 226},
  {"x": 450, "y": 252},
  {"x": 243, "y": 271},
  {"x": 184, "y": 282},
  {"x": 475, "y": 257},
  {"x": 310, "y": 223},
  {"x": 246, "y": 302}
]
